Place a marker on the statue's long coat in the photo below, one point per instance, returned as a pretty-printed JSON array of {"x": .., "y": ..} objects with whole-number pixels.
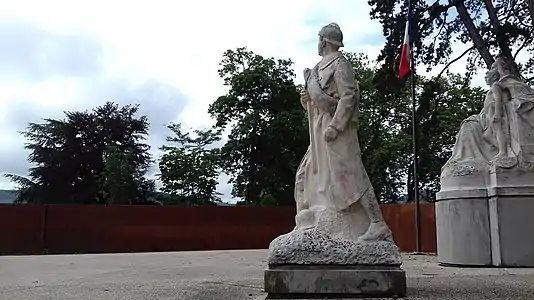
[{"x": 341, "y": 179}]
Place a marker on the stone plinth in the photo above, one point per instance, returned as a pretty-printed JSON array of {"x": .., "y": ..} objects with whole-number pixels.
[
  {"x": 488, "y": 227},
  {"x": 332, "y": 281},
  {"x": 463, "y": 229},
  {"x": 511, "y": 215},
  {"x": 306, "y": 263}
]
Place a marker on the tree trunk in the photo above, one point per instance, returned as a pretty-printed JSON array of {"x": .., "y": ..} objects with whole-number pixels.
[
  {"x": 473, "y": 32},
  {"x": 500, "y": 36}
]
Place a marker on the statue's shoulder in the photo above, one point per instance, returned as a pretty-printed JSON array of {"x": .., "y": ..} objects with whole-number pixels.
[
  {"x": 343, "y": 61},
  {"x": 497, "y": 84},
  {"x": 510, "y": 78},
  {"x": 343, "y": 64}
]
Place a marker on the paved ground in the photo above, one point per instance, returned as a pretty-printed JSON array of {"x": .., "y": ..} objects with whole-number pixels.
[{"x": 220, "y": 275}]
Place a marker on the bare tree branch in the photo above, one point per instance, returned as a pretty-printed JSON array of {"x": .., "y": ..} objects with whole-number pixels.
[
  {"x": 455, "y": 60},
  {"x": 525, "y": 43},
  {"x": 445, "y": 14},
  {"x": 439, "y": 5},
  {"x": 502, "y": 40}
]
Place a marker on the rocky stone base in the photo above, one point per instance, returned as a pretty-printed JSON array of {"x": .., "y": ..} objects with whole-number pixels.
[
  {"x": 334, "y": 282},
  {"x": 312, "y": 247}
]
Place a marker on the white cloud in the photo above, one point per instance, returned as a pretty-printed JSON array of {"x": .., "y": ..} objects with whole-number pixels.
[{"x": 182, "y": 43}]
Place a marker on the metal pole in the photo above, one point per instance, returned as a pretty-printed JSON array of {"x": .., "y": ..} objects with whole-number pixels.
[{"x": 414, "y": 141}]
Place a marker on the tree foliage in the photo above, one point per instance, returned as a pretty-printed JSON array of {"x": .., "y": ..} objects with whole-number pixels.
[
  {"x": 443, "y": 105},
  {"x": 121, "y": 182},
  {"x": 385, "y": 128},
  {"x": 501, "y": 27},
  {"x": 489, "y": 27},
  {"x": 75, "y": 159},
  {"x": 99, "y": 156},
  {"x": 383, "y": 143},
  {"x": 268, "y": 135},
  {"x": 190, "y": 170}
]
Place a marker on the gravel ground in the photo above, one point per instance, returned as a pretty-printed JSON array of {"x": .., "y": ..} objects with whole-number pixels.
[{"x": 221, "y": 275}]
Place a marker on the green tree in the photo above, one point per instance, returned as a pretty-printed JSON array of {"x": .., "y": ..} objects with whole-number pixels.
[
  {"x": 69, "y": 156},
  {"x": 268, "y": 135},
  {"x": 118, "y": 176},
  {"x": 488, "y": 27},
  {"x": 190, "y": 170},
  {"x": 444, "y": 104},
  {"x": 380, "y": 130},
  {"x": 385, "y": 128}
]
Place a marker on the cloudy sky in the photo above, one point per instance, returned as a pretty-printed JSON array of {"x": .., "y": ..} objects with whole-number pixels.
[{"x": 59, "y": 55}]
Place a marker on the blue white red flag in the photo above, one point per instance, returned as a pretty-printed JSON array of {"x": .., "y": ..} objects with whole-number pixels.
[{"x": 404, "y": 64}]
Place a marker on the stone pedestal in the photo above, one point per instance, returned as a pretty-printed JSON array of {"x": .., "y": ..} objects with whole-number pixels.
[
  {"x": 463, "y": 229},
  {"x": 330, "y": 281},
  {"x": 511, "y": 214},
  {"x": 488, "y": 226},
  {"x": 308, "y": 264}
]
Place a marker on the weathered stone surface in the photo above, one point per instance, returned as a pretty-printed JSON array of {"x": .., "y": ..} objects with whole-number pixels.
[
  {"x": 486, "y": 200},
  {"x": 512, "y": 241},
  {"x": 463, "y": 230},
  {"x": 499, "y": 137},
  {"x": 310, "y": 247},
  {"x": 331, "y": 183},
  {"x": 492, "y": 229},
  {"x": 329, "y": 282}
]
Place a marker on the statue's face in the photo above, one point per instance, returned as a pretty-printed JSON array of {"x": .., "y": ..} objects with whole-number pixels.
[
  {"x": 497, "y": 65},
  {"x": 320, "y": 46},
  {"x": 491, "y": 76},
  {"x": 502, "y": 66}
]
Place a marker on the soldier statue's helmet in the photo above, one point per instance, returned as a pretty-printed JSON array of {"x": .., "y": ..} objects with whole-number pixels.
[{"x": 332, "y": 34}]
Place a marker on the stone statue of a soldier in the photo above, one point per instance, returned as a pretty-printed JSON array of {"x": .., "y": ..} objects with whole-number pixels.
[
  {"x": 339, "y": 230},
  {"x": 331, "y": 175}
]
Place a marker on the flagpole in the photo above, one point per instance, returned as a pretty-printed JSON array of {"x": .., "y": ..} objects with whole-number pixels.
[{"x": 414, "y": 142}]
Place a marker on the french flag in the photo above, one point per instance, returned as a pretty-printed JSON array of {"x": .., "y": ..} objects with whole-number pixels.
[{"x": 404, "y": 65}]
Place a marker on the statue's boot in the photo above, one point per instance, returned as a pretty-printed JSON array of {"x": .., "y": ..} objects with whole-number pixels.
[{"x": 377, "y": 231}]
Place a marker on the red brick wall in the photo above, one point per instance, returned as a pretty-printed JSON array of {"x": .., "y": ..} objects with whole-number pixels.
[{"x": 30, "y": 229}]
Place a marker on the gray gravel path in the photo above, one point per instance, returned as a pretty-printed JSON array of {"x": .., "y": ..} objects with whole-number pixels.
[{"x": 221, "y": 275}]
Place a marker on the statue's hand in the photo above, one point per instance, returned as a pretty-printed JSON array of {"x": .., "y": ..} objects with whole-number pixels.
[
  {"x": 307, "y": 73},
  {"x": 330, "y": 134},
  {"x": 304, "y": 97}
]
